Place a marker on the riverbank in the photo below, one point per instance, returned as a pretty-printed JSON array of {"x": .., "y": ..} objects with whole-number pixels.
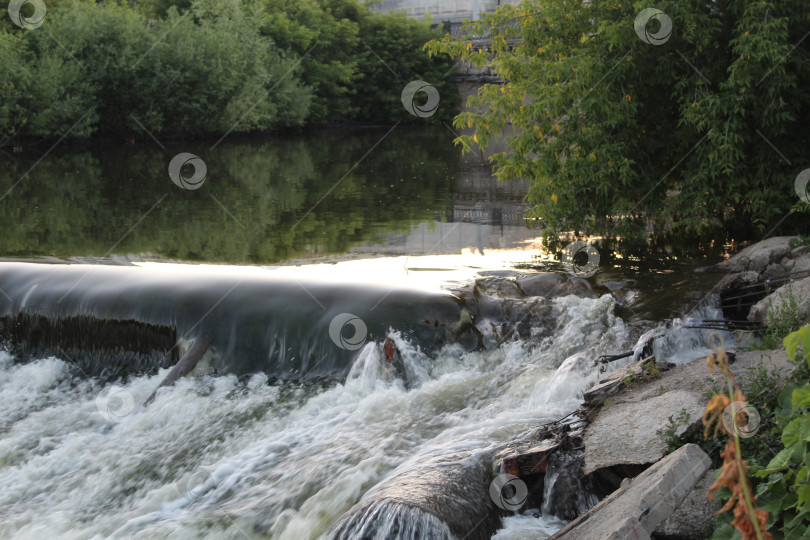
[{"x": 639, "y": 413}]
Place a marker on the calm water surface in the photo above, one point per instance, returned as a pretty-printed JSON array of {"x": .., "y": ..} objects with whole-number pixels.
[{"x": 263, "y": 201}]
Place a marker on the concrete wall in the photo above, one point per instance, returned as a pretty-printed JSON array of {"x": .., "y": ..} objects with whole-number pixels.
[{"x": 443, "y": 10}]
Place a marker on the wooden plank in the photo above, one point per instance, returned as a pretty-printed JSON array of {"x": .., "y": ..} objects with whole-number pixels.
[{"x": 532, "y": 461}]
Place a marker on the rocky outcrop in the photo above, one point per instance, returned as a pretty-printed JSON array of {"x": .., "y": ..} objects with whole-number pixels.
[
  {"x": 763, "y": 257},
  {"x": 782, "y": 299},
  {"x": 500, "y": 307},
  {"x": 677, "y": 392},
  {"x": 756, "y": 271},
  {"x": 637, "y": 508},
  {"x": 628, "y": 433}
]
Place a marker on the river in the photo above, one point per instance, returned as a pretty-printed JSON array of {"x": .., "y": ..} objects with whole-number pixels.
[{"x": 287, "y": 425}]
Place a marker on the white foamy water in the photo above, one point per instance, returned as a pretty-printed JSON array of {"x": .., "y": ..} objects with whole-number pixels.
[{"x": 218, "y": 458}]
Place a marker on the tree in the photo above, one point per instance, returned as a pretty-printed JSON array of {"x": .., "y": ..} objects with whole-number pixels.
[
  {"x": 208, "y": 71},
  {"x": 707, "y": 124},
  {"x": 391, "y": 55},
  {"x": 323, "y": 34}
]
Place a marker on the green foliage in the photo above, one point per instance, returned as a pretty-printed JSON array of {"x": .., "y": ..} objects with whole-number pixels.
[
  {"x": 206, "y": 72},
  {"x": 786, "y": 490},
  {"x": 393, "y": 58},
  {"x": 801, "y": 240},
  {"x": 322, "y": 34},
  {"x": 358, "y": 61},
  {"x": 203, "y": 67},
  {"x": 611, "y": 129}
]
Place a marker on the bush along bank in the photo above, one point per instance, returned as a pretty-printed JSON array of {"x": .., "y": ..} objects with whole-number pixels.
[{"x": 209, "y": 67}]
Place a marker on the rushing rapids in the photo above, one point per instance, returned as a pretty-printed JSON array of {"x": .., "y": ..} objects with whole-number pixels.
[{"x": 374, "y": 451}]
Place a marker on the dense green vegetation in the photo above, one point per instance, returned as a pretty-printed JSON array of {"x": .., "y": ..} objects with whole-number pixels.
[
  {"x": 207, "y": 67},
  {"x": 707, "y": 126},
  {"x": 786, "y": 488}
]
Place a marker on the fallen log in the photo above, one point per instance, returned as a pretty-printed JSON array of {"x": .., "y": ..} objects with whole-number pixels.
[
  {"x": 607, "y": 358},
  {"x": 532, "y": 461},
  {"x": 184, "y": 366}
]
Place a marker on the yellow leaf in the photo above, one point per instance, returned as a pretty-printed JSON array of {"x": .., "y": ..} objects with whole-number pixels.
[
  {"x": 475, "y": 137},
  {"x": 469, "y": 46},
  {"x": 627, "y": 97},
  {"x": 554, "y": 198}
]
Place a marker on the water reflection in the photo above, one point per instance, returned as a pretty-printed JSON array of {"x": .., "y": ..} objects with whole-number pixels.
[{"x": 263, "y": 201}]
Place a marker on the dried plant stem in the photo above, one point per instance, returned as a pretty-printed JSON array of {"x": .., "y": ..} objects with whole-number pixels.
[{"x": 746, "y": 488}]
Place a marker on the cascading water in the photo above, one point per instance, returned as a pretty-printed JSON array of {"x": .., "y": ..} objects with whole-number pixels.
[{"x": 216, "y": 456}]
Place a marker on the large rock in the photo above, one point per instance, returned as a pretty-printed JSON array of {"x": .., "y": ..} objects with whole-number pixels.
[
  {"x": 636, "y": 509},
  {"x": 736, "y": 281},
  {"x": 781, "y": 299},
  {"x": 694, "y": 518},
  {"x": 550, "y": 285},
  {"x": 757, "y": 257},
  {"x": 443, "y": 495},
  {"x": 626, "y": 433}
]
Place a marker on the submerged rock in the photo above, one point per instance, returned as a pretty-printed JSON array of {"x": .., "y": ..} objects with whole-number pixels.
[
  {"x": 442, "y": 496},
  {"x": 550, "y": 285},
  {"x": 390, "y": 520},
  {"x": 567, "y": 493}
]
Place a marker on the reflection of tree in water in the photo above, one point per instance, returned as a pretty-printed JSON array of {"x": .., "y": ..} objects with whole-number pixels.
[{"x": 83, "y": 203}]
